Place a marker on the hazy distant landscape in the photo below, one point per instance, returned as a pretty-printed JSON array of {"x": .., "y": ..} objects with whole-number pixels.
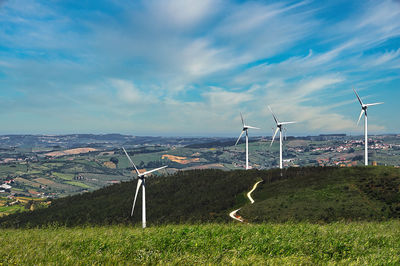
[{"x": 36, "y": 169}]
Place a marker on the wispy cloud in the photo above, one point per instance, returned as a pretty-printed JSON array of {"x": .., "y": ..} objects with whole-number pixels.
[{"x": 196, "y": 63}]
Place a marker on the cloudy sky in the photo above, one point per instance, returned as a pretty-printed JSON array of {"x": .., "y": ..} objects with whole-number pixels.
[{"x": 188, "y": 67}]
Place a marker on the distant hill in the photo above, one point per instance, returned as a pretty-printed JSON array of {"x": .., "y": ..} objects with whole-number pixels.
[
  {"x": 218, "y": 143},
  {"x": 316, "y": 194}
]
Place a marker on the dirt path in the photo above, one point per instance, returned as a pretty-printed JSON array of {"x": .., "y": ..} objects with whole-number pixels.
[
  {"x": 236, "y": 217},
  {"x": 234, "y": 214}
]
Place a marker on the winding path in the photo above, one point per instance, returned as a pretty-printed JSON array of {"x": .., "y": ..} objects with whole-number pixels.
[{"x": 233, "y": 214}]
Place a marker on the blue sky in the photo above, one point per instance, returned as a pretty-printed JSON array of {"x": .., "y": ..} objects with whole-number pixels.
[{"x": 188, "y": 67}]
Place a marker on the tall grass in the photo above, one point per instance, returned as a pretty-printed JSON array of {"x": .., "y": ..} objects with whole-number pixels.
[{"x": 288, "y": 243}]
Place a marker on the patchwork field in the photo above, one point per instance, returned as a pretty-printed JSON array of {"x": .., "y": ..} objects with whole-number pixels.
[
  {"x": 180, "y": 159},
  {"x": 70, "y": 152}
]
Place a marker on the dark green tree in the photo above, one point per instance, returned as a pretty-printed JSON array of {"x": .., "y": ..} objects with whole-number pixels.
[{"x": 114, "y": 160}]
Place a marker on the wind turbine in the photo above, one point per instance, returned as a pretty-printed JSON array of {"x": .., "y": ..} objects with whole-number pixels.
[
  {"x": 279, "y": 127},
  {"x": 141, "y": 183},
  {"x": 245, "y": 129},
  {"x": 364, "y": 108}
]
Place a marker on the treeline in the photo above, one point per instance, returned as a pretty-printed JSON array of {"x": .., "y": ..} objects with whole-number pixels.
[{"x": 218, "y": 144}]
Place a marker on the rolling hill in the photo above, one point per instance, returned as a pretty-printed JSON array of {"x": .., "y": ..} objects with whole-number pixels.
[
  {"x": 315, "y": 194},
  {"x": 328, "y": 194}
]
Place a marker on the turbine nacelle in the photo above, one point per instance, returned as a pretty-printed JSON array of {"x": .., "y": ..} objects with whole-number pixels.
[
  {"x": 244, "y": 129},
  {"x": 279, "y": 125},
  {"x": 364, "y": 106},
  {"x": 247, "y": 127}
]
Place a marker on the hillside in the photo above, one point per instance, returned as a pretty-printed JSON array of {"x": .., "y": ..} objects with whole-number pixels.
[
  {"x": 327, "y": 194},
  {"x": 315, "y": 194}
]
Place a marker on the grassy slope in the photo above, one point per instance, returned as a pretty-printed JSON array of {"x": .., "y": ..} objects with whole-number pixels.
[
  {"x": 328, "y": 194},
  {"x": 298, "y": 243}
]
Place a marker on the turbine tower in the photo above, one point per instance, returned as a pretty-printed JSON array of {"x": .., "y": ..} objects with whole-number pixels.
[
  {"x": 364, "y": 108},
  {"x": 141, "y": 183},
  {"x": 279, "y": 127},
  {"x": 245, "y": 129}
]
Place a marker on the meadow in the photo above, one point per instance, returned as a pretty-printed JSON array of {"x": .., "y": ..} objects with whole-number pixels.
[{"x": 273, "y": 243}]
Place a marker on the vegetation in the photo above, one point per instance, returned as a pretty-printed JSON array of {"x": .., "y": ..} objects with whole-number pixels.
[
  {"x": 290, "y": 243},
  {"x": 311, "y": 194},
  {"x": 190, "y": 196},
  {"x": 326, "y": 194}
]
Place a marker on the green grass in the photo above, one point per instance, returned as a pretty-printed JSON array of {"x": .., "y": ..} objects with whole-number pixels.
[
  {"x": 6, "y": 210},
  {"x": 64, "y": 176},
  {"x": 77, "y": 184},
  {"x": 299, "y": 243}
]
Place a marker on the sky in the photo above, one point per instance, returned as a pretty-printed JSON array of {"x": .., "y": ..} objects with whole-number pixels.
[{"x": 189, "y": 67}]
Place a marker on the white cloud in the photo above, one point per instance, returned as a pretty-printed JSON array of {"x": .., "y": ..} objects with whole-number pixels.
[
  {"x": 222, "y": 99},
  {"x": 181, "y": 13},
  {"x": 387, "y": 58},
  {"x": 128, "y": 92}
]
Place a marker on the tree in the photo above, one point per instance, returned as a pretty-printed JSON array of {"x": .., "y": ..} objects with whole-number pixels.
[{"x": 114, "y": 160}]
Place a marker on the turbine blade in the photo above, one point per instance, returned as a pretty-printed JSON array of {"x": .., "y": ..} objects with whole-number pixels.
[
  {"x": 358, "y": 97},
  {"x": 151, "y": 171},
  {"x": 276, "y": 131},
  {"x": 359, "y": 118},
  {"x": 252, "y": 127},
  {"x": 371, "y": 104},
  {"x": 241, "y": 117},
  {"x": 276, "y": 119},
  {"x": 285, "y": 123},
  {"x": 239, "y": 137},
  {"x": 139, "y": 183},
  {"x": 129, "y": 158}
]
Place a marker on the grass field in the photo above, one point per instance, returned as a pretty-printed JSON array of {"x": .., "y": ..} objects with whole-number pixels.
[
  {"x": 77, "y": 184},
  {"x": 288, "y": 243},
  {"x": 6, "y": 210}
]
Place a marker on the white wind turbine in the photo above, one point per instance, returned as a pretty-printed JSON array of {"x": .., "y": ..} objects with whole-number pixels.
[
  {"x": 141, "y": 183},
  {"x": 279, "y": 127},
  {"x": 245, "y": 129},
  {"x": 364, "y": 108}
]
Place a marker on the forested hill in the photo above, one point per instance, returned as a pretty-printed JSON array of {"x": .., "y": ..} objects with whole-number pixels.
[
  {"x": 189, "y": 196},
  {"x": 313, "y": 194}
]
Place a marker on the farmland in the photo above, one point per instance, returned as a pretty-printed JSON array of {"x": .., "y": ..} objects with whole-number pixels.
[
  {"x": 273, "y": 243},
  {"x": 58, "y": 166}
]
